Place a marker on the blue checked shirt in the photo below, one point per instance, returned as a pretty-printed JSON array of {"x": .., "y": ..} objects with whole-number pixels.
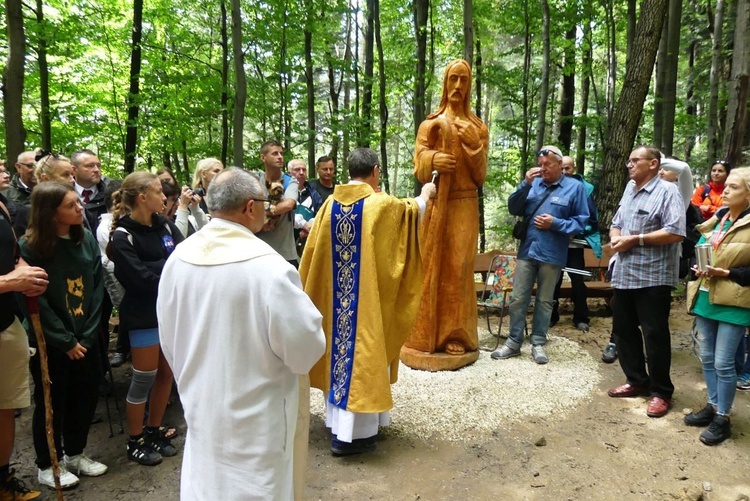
[
  {"x": 567, "y": 204},
  {"x": 656, "y": 206}
]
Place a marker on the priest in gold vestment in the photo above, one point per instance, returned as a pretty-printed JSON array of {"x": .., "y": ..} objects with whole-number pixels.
[{"x": 362, "y": 269}]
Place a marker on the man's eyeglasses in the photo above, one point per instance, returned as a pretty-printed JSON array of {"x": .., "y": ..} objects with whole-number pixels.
[
  {"x": 635, "y": 160},
  {"x": 266, "y": 203},
  {"x": 27, "y": 164},
  {"x": 545, "y": 152}
]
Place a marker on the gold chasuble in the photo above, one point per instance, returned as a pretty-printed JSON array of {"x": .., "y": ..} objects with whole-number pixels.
[{"x": 362, "y": 269}]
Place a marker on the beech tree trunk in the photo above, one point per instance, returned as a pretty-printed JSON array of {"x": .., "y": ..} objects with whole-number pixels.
[
  {"x": 421, "y": 8},
  {"x": 383, "y": 108},
  {"x": 544, "y": 89},
  {"x": 240, "y": 91},
  {"x": 45, "y": 115},
  {"x": 469, "y": 32},
  {"x": 224, "y": 84},
  {"x": 13, "y": 75},
  {"x": 713, "y": 137},
  {"x": 363, "y": 138},
  {"x": 586, "y": 60},
  {"x": 627, "y": 113},
  {"x": 738, "y": 87},
  {"x": 568, "y": 96},
  {"x": 131, "y": 134},
  {"x": 310, "y": 86}
]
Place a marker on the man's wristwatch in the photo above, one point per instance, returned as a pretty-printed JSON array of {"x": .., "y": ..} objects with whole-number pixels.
[{"x": 640, "y": 240}]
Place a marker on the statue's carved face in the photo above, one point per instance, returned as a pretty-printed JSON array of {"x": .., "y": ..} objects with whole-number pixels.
[{"x": 459, "y": 82}]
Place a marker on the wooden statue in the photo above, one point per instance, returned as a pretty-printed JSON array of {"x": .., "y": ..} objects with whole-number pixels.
[{"x": 452, "y": 141}]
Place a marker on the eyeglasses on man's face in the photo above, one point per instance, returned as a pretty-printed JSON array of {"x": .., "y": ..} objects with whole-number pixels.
[{"x": 635, "y": 160}]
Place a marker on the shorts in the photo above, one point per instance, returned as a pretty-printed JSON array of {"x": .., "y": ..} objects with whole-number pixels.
[
  {"x": 14, "y": 367},
  {"x": 143, "y": 338}
]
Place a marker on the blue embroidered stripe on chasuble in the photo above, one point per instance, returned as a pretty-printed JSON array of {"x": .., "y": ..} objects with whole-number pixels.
[{"x": 346, "y": 229}]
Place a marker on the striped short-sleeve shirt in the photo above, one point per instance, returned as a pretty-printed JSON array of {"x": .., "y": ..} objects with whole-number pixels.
[{"x": 656, "y": 206}]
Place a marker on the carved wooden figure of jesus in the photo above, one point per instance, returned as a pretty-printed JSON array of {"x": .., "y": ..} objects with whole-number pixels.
[{"x": 454, "y": 142}]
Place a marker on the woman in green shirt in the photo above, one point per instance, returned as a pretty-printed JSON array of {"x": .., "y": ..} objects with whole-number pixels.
[{"x": 721, "y": 298}]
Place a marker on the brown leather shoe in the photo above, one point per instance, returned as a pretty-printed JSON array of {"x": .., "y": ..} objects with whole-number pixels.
[
  {"x": 628, "y": 390},
  {"x": 658, "y": 407}
]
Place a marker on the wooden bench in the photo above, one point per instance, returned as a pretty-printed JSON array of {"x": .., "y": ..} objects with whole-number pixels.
[{"x": 596, "y": 286}]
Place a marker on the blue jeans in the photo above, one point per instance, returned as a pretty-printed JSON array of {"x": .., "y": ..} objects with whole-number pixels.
[
  {"x": 528, "y": 272},
  {"x": 718, "y": 343}
]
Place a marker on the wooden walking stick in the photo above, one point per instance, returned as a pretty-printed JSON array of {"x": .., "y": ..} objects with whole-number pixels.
[{"x": 32, "y": 303}]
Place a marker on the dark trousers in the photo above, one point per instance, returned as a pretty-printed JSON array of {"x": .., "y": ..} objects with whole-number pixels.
[
  {"x": 649, "y": 308},
  {"x": 74, "y": 388},
  {"x": 579, "y": 290}
]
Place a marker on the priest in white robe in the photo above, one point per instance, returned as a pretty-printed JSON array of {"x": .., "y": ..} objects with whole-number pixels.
[{"x": 237, "y": 330}]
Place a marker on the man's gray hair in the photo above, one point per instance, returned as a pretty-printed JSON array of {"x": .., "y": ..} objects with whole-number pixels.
[{"x": 231, "y": 189}]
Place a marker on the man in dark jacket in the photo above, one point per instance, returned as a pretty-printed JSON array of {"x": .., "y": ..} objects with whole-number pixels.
[
  {"x": 23, "y": 182},
  {"x": 90, "y": 185}
]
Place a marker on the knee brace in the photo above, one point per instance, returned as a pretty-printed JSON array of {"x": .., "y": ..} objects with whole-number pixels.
[{"x": 140, "y": 385}]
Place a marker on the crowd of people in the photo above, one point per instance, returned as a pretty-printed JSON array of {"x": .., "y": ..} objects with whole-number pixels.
[{"x": 257, "y": 333}]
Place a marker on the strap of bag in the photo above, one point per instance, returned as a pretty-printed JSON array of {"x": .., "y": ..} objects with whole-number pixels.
[{"x": 549, "y": 192}]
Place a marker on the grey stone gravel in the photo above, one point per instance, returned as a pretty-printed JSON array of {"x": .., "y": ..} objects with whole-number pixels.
[{"x": 475, "y": 400}]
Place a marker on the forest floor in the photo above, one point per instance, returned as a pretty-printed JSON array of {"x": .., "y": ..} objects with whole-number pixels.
[{"x": 588, "y": 447}]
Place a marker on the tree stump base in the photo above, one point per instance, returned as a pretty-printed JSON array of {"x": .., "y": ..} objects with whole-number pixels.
[{"x": 434, "y": 362}]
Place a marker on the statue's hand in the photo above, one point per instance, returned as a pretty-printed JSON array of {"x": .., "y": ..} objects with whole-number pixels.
[
  {"x": 444, "y": 163},
  {"x": 468, "y": 134}
]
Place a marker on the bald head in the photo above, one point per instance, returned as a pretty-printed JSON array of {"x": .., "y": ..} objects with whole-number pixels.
[
  {"x": 568, "y": 166},
  {"x": 25, "y": 168}
]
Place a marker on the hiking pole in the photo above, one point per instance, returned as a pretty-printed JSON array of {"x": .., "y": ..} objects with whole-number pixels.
[{"x": 32, "y": 303}]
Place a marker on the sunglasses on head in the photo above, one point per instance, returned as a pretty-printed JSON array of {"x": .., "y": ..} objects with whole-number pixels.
[
  {"x": 46, "y": 153},
  {"x": 722, "y": 162},
  {"x": 545, "y": 152}
]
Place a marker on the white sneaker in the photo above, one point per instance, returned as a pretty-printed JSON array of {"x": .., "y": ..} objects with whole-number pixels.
[
  {"x": 84, "y": 465},
  {"x": 67, "y": 479}
]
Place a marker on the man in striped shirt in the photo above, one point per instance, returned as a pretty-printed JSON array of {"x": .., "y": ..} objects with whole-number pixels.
[{"x": 646, "y": 233}]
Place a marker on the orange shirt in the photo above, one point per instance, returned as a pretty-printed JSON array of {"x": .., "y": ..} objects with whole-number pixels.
[{"x": 712, "y": 199}]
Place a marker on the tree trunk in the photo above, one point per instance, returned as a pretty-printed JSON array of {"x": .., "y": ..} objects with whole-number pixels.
[
  {"x": 285, "y": 124},
  {"x": 525, "y": 138},
  {"x": 691, "y": 108},
  {"x": 13, "y": 75},
  {"x": 478, "y": 112},
  {"x": 421, "y": 8},
  {"x": 45, "y": 112},
  {"x": 669, "y": 92},
  {"x": 131, "y": 135},
  {"x": 659, "y": 85},
  {"x": 310, "y": 85},
  {"x": 629, "y": 109},
  {"x": 632, "y": 18},
  {"x": 713, "y": 136},
  {"x": 586, "y": 60},
  {"x": 568, "y": 97},
  {"x": 334, "y": 93},
  {"x": 348, "y": 61},
  {"x": 739, "y": 87},
  {"x": 224, "y": 84},
  {"x": 382, "y": 101},
  {"x": 611, "y": 59},
  {"x": 544, "y": 88},
  {"x": 468, "y": 32},
  {"x": 363, "y": 138},
  {"x": 240, "y": 91}
]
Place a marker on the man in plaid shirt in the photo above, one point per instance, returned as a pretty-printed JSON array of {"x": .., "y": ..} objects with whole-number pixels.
[{"x": 646, "y": 233}]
